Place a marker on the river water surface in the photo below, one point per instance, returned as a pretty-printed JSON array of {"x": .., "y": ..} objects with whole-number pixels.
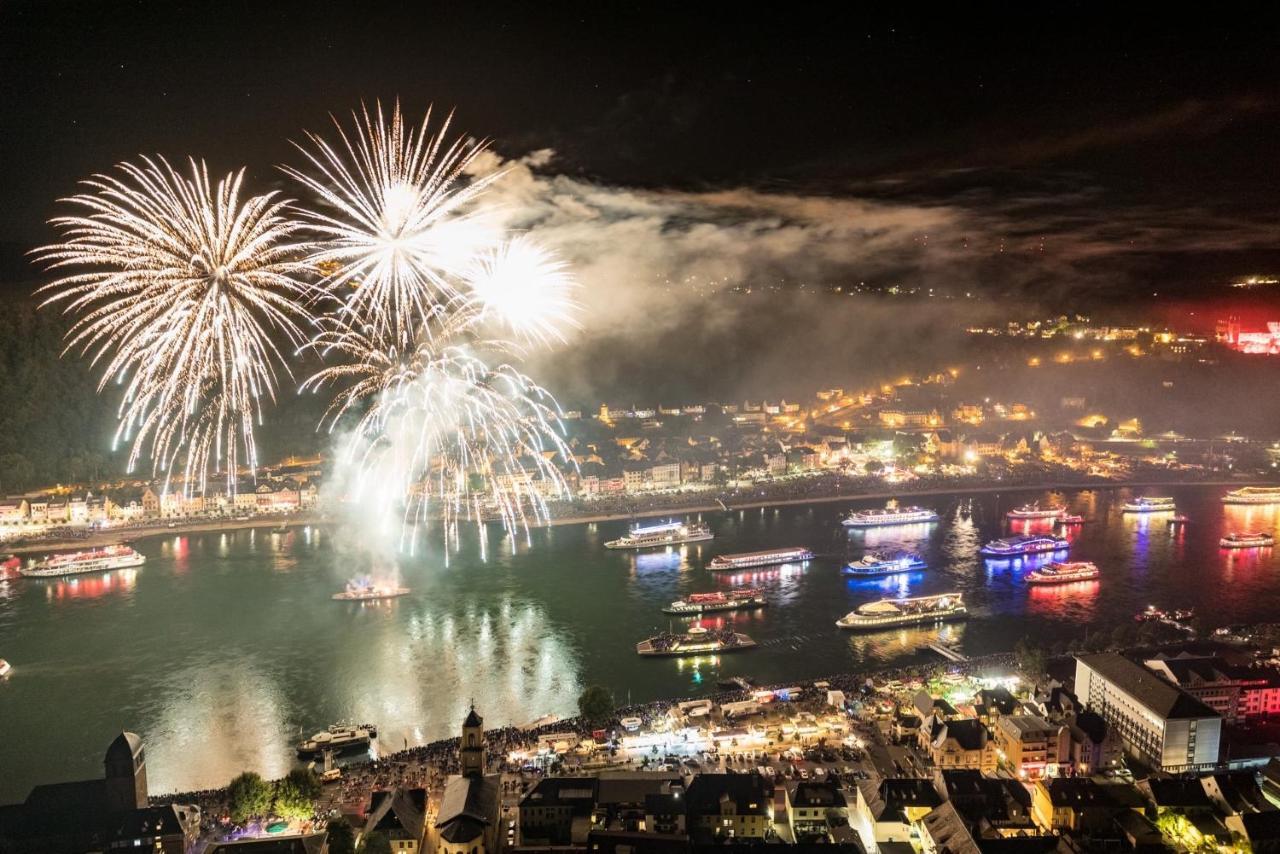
[{"x": 225, "y": 646}]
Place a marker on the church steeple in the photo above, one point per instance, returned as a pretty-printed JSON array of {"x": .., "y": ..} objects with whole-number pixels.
[{"x": 471, "y": 751}]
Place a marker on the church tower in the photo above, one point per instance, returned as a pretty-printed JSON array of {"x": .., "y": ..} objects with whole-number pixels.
[
  {"x": 471, "y": 748},
  {"x": 126, "y": 766}
]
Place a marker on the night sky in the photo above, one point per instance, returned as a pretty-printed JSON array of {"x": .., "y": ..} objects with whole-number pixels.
[{"x": 1071, "y": 157}]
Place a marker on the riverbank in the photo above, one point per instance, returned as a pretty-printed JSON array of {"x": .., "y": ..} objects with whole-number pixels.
[
  {"x": 132, "y": 533},
  {"x": 113, "y": 536},
  {"x": 894, "y": 494}
]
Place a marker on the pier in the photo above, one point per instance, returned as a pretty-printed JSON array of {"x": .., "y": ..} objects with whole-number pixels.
[{"x": 949, "y": 653}]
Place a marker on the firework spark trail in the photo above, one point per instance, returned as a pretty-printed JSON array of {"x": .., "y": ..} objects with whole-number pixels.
[
  {"x": 437, "y": 307},
  {"x": 179, "y": 287},
  {"x": 400, "y": 229}
]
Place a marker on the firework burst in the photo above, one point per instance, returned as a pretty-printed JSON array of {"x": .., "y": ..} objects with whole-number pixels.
[
  {"x": 399, "y": 229},
  {"x": 180, "y": 288},
  {"x": 436, "y": 308}
]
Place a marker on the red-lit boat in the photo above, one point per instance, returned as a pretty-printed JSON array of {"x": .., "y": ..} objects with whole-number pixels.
[
  {"x": 1064, "y": 573},
  {"x": 702, "y": 603}
]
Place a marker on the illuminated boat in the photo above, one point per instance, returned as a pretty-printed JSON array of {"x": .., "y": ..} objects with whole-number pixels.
[
  {"x": 886, "y": 613},
  {"x": 696, "y": 641},
  {"x": 1035, "y": 511},
  {"x": 1147, "y": 504},
  {"x": 5, "y": 668},
  {"x": 703, "y": 603},
  {"x": 883, "y": 563},
  {"x": 9, "y": 566},
  {"x": 339, "y": 738},
  {"x": 1024, "y": 544},
  {"x": 889, "y": 516},
  {"x": 363, "y": 589},
  {"x": 93, "y": 560},
  {"x": 1070, "y": 519},
  {"x": 1253, "y": 495},
  {"x": 665, "y": 534},
  {"x": 1246, "y": 540},
  {"x": 1064, "y": 573},
  {"x": 747, "y": 560}
]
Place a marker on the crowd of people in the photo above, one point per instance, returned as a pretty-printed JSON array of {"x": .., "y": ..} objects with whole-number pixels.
[{"x": 429, "y": 766}]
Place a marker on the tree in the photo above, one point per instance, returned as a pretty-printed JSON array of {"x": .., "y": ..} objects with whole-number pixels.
[
  {"x": 1030, "y": 657},
  {"x": 296, "y": 794},
  {"x": 248, "y": 797},
  {"x": 873, "y": 467},
  {"x": 376, "y": 843},
  {"x": 342, "y": 839},
  {"x": 595, "y": 704}
]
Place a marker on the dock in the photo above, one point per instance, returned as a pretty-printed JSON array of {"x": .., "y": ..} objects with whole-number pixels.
[{"x": 947, "y": 652}]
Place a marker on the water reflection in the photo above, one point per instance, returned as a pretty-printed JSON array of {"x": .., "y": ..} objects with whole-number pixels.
[
  {"x": 91, "y": 585},
  {"x": 1077, "y": 600}
]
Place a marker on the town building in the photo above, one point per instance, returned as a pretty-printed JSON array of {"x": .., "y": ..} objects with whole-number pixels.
[
  {"x": 468, "y": 818},
  {"x": 400, "y": 816},
  {"x": 13, "y": 511},
  {"x": 1235, "y": 693},
  {"x": 1095, "y": 745},
  {"x": 959, "y": 743},
  {"x": 728, "y": 806},
  {"x": 888, "y": 810},
  {"x": 1158, "y": 722},
  {"x": 108, "y": 814},
  {"x": 1032, "y": 746},
  {"x": 809, "y": 805},
  {"x": 557, "y": 811}
]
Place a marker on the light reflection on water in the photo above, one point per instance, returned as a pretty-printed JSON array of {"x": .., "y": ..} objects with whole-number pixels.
[{"x": 224, "y": 647}]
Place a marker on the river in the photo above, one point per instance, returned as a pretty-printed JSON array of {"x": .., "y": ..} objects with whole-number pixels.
[{"x": 225, "y": 646}]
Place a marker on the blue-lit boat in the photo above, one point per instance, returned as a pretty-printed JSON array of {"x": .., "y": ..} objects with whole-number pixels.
[
  {"x": 1024, "y": 544},
  {"x": 881, "y": 563}
]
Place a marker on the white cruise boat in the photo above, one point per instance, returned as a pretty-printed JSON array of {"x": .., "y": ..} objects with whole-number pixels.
[
  {"x": 1147, "y": 504},
  {"x": 93, "y": 560},
  {"x": 1247, "y": 540},
  {"x": 747, "y": 560},
  {"x": 5, "y": 668},
  {"x": 1035, "y": 511},
  {"x": 665, "y": 534},
  {"x": 886, "y": 613},
  {"x": 1253, "y": 495},
  {"x": 889, "y": 516}
]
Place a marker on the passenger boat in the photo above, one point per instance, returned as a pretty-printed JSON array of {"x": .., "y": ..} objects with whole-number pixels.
[
  {"x": 889, "y": 516},
  {"x": 1035, "y": 511},
  {"x": 364, "y": 589},
  {"x": 703, "y": 603},
  {"x": 1070, "y": 519},
  {"x": 1147, "y": 504},
  {"x": 340, "y": 738},
  {"x": 664, "y": 534},
  {"x": 886, "y": 613},
  {"x": 5, "y": 668},
  {"x": 9, "y": 566},
  {"x": 1179, "y": 520},
  {"x": 885, "y": 563},
  {"x": 1247, "y": 540},
  {"x": 1064, "y": 573},
  {"x": 1253, "y": 495},
  {"x": 1024, "y": 544},
  {"x": 92, "y": 560},
  {"x": 696, "y": 641},
  {"x": 747, "y": 560}
]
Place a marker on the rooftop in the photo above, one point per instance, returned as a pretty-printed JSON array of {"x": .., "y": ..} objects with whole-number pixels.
[{"x": 1160, "y": 697}]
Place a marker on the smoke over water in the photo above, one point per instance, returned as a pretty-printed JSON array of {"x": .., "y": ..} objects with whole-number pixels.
[{"x": 733, "y": 292}]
